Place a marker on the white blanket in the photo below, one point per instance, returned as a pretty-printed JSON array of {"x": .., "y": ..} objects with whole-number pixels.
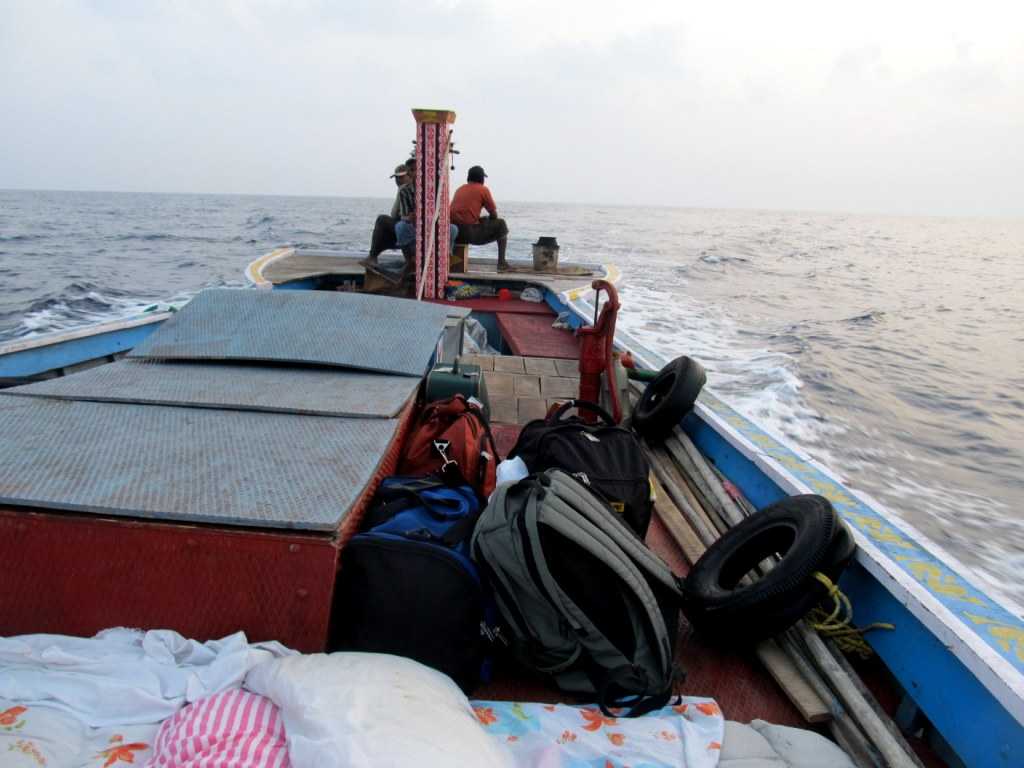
[{"x": 124, "y": 676}]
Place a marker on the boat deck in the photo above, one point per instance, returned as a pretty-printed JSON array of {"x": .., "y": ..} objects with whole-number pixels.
[{"x": 289, "y": 265}]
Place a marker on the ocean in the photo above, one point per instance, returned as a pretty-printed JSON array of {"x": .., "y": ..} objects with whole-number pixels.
[{"x": 889, "y": 348}]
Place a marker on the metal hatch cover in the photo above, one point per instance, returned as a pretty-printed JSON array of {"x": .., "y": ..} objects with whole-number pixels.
[
  {"x": 193, "y": 465},
  {"x": 281, "y": 389},
  {"x": 349, "y": 330}
]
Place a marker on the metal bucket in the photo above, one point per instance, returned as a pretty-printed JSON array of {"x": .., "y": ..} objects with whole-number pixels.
[{"x": 545, "y": 255}]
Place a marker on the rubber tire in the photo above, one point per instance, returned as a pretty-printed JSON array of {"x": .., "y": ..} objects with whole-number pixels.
[
  {"x": 808, "y": 535},
  {"x": 669, "y": 397}
]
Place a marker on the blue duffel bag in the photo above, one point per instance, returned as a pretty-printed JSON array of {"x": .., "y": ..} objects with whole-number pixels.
[{"x": 407, "y": 584}]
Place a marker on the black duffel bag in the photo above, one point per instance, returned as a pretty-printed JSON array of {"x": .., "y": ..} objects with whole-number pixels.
[{"x": 604, "y": 456}]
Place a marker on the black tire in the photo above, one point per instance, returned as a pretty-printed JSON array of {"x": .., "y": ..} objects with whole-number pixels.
[
  {"x": 669, "y": 397},
  {"x": 807, "y": 534}
]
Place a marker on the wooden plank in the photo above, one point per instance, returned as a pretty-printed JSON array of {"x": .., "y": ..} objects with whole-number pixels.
[
  {"x": 541, "y": 366},
  {"x": 797, "y": 689},
  {"x": 679, "y": 480},
  {"x": 506, "y": 364},
  {"x": 674, "y": 523},
  {"x": 527, "y": 386}
]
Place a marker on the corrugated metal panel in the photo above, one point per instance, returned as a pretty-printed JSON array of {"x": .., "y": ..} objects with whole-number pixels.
[
  {"x": 350, "y": 330},
  {"x": 187, "y": 464},
  {"x": 316, "y": 391}
]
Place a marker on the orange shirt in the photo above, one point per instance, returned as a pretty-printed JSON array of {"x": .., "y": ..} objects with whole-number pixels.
[{"x": 467, "y": 202}]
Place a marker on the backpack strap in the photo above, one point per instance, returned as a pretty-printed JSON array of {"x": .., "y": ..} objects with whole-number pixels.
[
  {"x": 583, "y": 405},
  {"x": 625, "y": 678}
]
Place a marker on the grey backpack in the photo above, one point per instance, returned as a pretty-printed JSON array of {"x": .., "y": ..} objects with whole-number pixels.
[{"x": 585, "y": 599}]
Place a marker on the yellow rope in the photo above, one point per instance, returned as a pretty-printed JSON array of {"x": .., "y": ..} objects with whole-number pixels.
[{"x": 849, "y": 638}]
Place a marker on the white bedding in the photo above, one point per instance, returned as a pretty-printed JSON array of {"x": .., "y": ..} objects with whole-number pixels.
[
  {"x": 124, "y": 676},
  {"x": 70, "y": 702},
  {"x": 34, "y": 736}
]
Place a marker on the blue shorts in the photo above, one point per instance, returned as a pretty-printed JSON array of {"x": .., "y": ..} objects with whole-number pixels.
[{"x": 405, "y": 233}]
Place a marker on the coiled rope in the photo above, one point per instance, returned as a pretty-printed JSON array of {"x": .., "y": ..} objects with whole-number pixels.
[{"x": 837, "y": 624}]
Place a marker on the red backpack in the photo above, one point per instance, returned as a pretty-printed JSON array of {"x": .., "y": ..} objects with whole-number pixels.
[{"x": 453, "y": 439}]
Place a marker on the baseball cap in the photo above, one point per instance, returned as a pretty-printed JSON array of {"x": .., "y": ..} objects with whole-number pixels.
[
  {"x": 476, "y": 172},
  {"x": 400, "y": 170}
]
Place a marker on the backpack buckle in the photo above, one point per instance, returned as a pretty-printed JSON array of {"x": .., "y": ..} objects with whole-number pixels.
[{"x": 442, "y": 446}]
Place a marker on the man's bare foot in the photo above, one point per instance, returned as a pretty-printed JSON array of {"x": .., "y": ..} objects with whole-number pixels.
[{"x": 502, "y": 266}]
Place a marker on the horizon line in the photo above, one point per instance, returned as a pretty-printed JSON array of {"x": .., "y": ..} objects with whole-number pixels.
[{"x": 576, "y": 204}]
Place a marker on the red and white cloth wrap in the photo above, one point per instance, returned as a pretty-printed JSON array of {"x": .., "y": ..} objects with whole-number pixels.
[
  {"x": 232, "y": 729},
  {"x": 432, "y": 172}
]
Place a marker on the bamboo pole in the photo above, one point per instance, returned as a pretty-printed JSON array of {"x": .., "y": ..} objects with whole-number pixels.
[
  {"x": 741, "y": 501},
  {"x": 846, "y": 691},
  {"x": 715, "y": 521},
  {"x": 685, "y": 484},
  {"x": 704, "y": 533},
  {"x": 869, "y": 697},
  {"x": 729, "y": 509}
]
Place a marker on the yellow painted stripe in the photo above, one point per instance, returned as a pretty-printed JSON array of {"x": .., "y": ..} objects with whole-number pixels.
[
  {"x": 254, "y": 272},
  {"x": 611, "y": 273}
]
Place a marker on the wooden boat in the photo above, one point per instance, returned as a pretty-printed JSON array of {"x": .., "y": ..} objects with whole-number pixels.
[
  {"x": 950, "y": 668},
  {"x": 203, "y": 471}
]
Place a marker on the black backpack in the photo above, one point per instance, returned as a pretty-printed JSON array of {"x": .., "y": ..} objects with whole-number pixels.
[{"x": 605, "y": 457}]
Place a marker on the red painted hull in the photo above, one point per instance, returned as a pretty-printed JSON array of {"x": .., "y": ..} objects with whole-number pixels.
[{"x": 76, "y": 574}]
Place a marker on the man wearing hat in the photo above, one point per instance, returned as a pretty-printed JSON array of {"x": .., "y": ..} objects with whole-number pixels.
[
  {"x": 468, "y": 201},
  {"x": 384, "y": 237}
]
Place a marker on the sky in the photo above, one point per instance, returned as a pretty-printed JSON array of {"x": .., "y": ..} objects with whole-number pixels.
[{"x": 899, "y": 107}]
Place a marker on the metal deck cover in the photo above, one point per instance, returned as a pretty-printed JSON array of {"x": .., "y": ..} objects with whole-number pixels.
[
  {"x": 282, "y": 389},
  {"x": 187, "y": 464},
  {"x": 349, "y": 330}
]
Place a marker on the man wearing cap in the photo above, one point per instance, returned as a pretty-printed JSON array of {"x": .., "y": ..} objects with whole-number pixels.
[
  {"x": 405, "y": 221},
  {"x": 468, "y": 201},
  {"x": 384, "y": 236}
]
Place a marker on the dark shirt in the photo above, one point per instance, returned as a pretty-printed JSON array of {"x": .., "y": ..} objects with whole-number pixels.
[{"x": 406, "y": 201}]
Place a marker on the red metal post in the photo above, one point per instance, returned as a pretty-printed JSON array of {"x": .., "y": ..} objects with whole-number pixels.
[{"x": 596, "y": 343}]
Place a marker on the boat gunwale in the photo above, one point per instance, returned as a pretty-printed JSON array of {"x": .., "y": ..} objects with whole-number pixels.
[{"x": 81, "y": 332}]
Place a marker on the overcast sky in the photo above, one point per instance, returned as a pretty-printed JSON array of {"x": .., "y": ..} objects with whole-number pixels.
[{"x": 900, "y": 107}]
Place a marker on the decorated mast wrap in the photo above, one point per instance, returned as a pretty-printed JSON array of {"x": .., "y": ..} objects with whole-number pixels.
[{"x": 433, "y": 138}]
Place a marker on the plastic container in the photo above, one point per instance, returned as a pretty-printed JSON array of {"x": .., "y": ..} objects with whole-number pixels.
[{"x": 545, "y": 254}]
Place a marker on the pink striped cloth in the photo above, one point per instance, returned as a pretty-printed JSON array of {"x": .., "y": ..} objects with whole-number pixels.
[{"x": 231, "y": 729}]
